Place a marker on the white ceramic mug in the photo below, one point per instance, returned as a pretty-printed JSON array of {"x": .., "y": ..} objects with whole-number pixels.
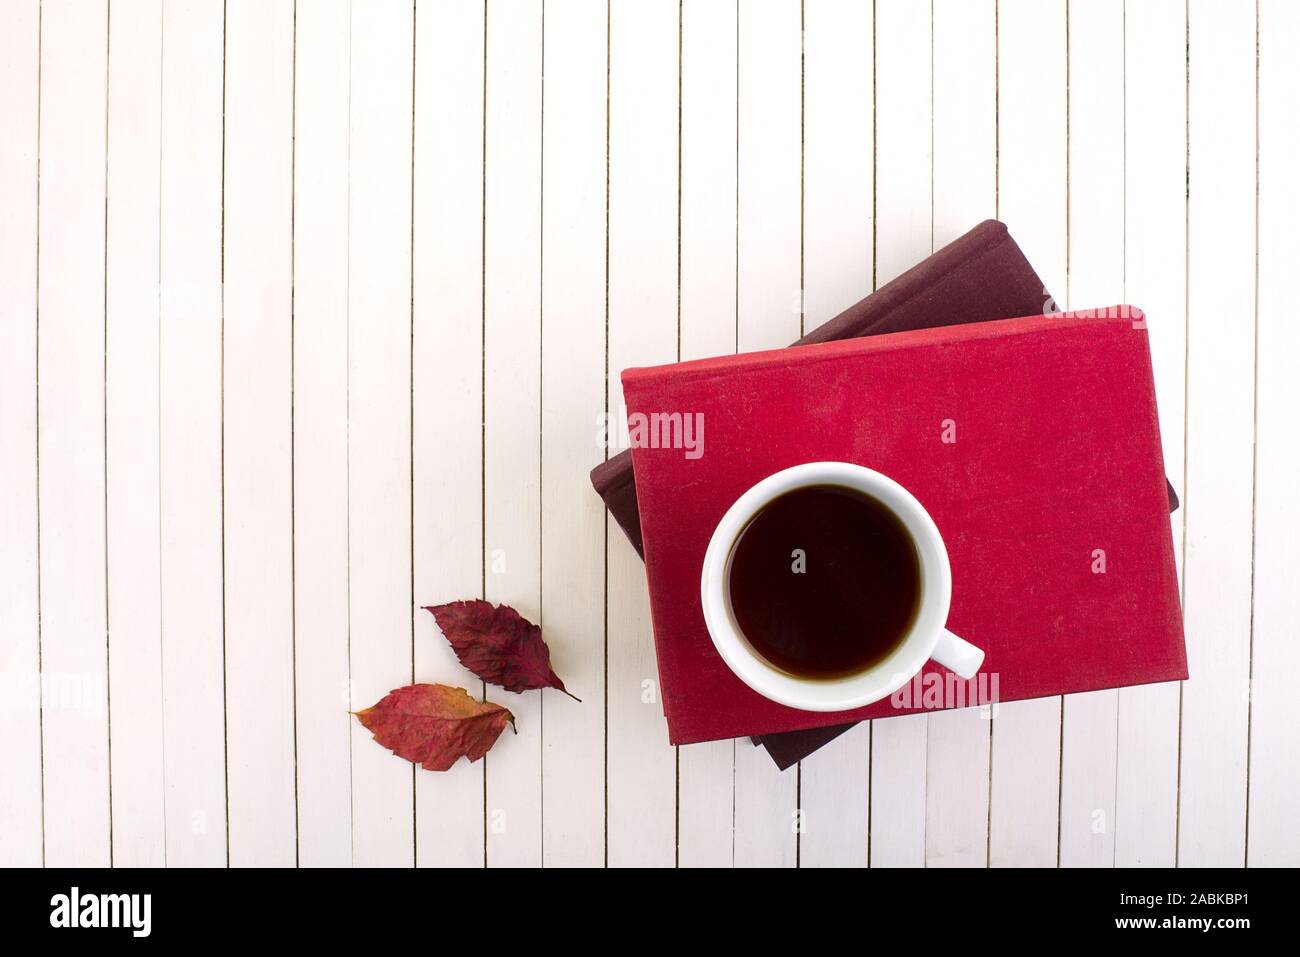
[{"x": 927, "y": 639}]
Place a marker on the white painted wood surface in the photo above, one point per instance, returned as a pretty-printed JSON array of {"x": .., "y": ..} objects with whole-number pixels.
[
  {"x": 257, "y": 428},
  {"x": 70, "y": 434},
  {"x": 321, "y": 605},
  {"x": 380, "y": 590},
  {"x": 22, "y": 836},
  {"x": 1274, "y": 771},
  {"x": 131, "y": 393},
  {"x": 1222, "y": 259},
  {"x": 191, "y": 500},
  {"x": 573, "y": 526},
  {"x": 447, "y": 346},
  {"x": 313, "y": 313}
]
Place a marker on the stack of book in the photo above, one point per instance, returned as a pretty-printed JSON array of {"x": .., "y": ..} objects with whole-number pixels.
[{"x": 1030, "y": 436}]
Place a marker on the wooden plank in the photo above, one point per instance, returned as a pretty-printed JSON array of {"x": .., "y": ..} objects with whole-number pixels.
[
  {"x": 190, "y": 435},
  {"x": 904, "y": 220},
  {"x": 834, "y": 784},
  {"x": 320, "y": 432},
  {"x": 131, "y": 420},
  {"x": 1025, "y": 793},
  {"x": 1155, "y": 232},
  {"x": 769, "y": 315},
  {"x": 448, "y": 389},
  {"x": 257, "y": 433},
  {"x": 1220, "y": 417},
  {"x": 837, "y": 151},
  {"x": 1032, "y": 135},
  {"x": 769, "y": 162},
  {"x": 1273, "y": 839},
  {"x": 193, "y": 616},
  {"x": 904, "y": 236},
  {"x": 965, "y": 192},
  {"x": 70, "y": 426},
  {"x": 20, "y": 717},
  {"x": 707, "y": 328},
  {"x": 643, "y": 81},
  {"x": 379, "y": 417},
  {"x": 512, "y": 445},
  {"x": 1024, "y": 798},
  {"x": 1096, "y": 276},
  {"x": 573, "y": 391},
  {"x": 834, "y": 802}
]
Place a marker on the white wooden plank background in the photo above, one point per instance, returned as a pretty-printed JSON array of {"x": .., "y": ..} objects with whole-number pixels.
[
  {"x": 70, "y": 434},
  {"x": 447, "y": 346},
  {"x": 1222, "y": 260},
  {"x": 380, "y": 590},
  {"x": 257, "y": 430},
  {"x": 312, "y": 313},
  {"x": 131, "y": 391},
  {"x": 322, "y": 58},
  {"x": 1274, "y": 772},
  {"x": 190, "y": 435},
  {"x": 22, "y": 834}
]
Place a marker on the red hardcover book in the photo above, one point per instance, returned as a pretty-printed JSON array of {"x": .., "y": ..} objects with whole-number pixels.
[{"x": 1033, "y": 443}]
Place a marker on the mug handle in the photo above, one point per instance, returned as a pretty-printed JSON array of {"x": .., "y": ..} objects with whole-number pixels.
[{"x": 958, "y": 655}]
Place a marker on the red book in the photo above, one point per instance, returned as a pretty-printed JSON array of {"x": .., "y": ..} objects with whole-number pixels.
[{"x": 1033, "y": 443}]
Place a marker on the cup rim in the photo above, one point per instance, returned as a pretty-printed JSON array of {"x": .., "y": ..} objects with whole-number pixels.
[{"x": 861, "y": 688}]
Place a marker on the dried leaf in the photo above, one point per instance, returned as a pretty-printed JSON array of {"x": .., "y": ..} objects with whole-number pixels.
[
  {"x": 498, "y": 644},
  {"x": 434, "y": 725}
]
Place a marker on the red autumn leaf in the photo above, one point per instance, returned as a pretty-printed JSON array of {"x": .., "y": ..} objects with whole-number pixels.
[
  {"x": 498, "y": 644},
  {"x": 434, "y": 725}
]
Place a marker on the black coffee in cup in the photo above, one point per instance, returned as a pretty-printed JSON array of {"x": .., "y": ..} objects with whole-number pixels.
[{"x": 824, "y": 581}]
